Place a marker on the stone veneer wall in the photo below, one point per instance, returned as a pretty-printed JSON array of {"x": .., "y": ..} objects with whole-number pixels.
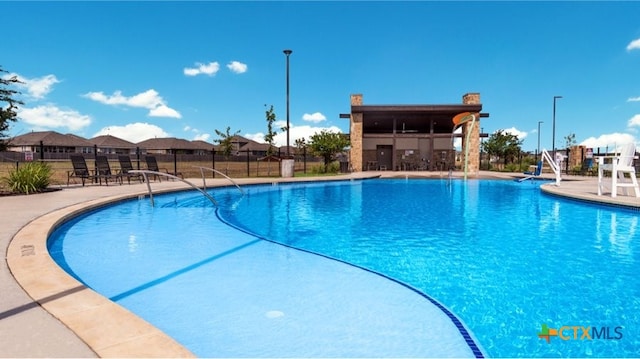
[
  {"x": 474, "y": 141},
  {"x": 576, "y": 156},
  {"x": 356, "y": 135}
]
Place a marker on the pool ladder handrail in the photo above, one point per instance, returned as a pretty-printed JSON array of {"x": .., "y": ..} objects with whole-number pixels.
[
  {"x": 204, "y": 182},
  {"x": 145, "y": 174},
  {"x": 555, "y": 165}
]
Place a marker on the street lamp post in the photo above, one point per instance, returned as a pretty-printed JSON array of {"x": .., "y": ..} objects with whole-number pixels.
[
  {"x": 538, "y": 150},
  {"x": 553, "y": 136},
  {"x": 287, "y": 53}
]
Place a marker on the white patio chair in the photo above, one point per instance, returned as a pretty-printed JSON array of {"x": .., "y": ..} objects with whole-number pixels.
[{"x": 620, "y": 164}]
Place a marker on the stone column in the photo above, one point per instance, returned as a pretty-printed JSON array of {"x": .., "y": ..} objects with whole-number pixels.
[
  {"x": 355, "y": 133},
  {"x": 473, "y": 165}
]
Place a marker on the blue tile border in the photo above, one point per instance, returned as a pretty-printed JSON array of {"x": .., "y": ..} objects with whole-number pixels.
[{"x": 464, "y": 332}]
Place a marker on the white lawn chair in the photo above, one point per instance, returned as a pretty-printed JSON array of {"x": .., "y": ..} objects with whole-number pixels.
[{"x": 620, "y": 164}]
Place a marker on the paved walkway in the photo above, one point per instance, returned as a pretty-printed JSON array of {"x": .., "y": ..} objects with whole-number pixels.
[{"x": 27, "y": 330}]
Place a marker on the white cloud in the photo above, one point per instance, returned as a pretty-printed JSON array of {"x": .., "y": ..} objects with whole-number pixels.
[
  {"x": 258, "y": 136},
  {"x": 314, "y": 117},
  {"x": 37, "y": 87},
  {"x": 237, "y": 67},
  {"x": 149, "y": 99},
  {"x": 633, "y": 99},
  {"x": 133, "y": 132},
  {"x": 634, "y": 121},
  {"x": 50, "y": 116},
  {"x": 296, "y": 132},
  {"x": 634, "y": 45},
  {"x": 514, "y": 131},
  {"x": 164, "y": 111},
  {"x": 202, "y": 137},
  {"x": 198, "y": 135},
  {"x": 609, "y": 141},
  {"x": 209, "y": 69}
]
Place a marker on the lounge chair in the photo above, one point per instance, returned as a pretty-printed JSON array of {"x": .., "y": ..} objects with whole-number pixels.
[
  {"x": 620, "y": 164},
  {"x": 125, "y": 167},
  {"x": 80, "y": 169},
  {"x": 152, "y": 165},
  {"x": 103, "y": 171},
  {"x": 531, "y": 175}
]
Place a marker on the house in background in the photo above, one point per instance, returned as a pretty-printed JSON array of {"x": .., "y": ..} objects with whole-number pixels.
[
  {"x": 111, "y": 145},
  {"x": 169, "y": 145},
  {"x": 50, "y": 142},
  {"x": 203, "y": 147}
]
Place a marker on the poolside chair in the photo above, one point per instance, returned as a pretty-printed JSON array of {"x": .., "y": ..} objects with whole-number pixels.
[
  {"x": 531, "y": 175},
  {"x": 152, "y": 165},
  {"x": 620, "y": 164},
  {"x": 125, "y": 167},
  {"x": 103, "y": 171},
  {"x": 80, "y": 169}
]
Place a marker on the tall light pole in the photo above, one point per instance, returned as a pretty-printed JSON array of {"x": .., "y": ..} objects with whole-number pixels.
[
  {"x": 287, "y": 52},
  {"x": 538, "y": 150},
  {"x": 553, "y": 137}
]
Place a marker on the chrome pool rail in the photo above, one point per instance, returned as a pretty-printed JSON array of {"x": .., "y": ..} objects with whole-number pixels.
[
  {"x": 204, "y": 182},
  {"x": 145, "y": 174}
]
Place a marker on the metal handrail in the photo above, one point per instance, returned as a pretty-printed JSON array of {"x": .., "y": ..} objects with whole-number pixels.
[
  {"x": 204, "y": 182},
  {"x": 146, "y": 179},
  {"x": 555, "y": 167}
]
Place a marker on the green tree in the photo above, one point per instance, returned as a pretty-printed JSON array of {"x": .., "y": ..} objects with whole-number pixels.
[
  {"x": 327, "y": 145},
  {"x": 7, "y": 113},
  {"x": 270, "y": 136},
  {"x": 225, "y": 143},
  {"x": 300, "y": 145},
  {"x": 504, "y": 145},
  {"x": 570, "y": 140}
]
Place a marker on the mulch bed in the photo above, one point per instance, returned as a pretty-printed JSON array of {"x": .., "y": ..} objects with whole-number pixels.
[{"x": 4, "y": 193}]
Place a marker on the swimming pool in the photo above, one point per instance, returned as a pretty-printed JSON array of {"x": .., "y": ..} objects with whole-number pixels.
[{"x": 504, "y": 258}]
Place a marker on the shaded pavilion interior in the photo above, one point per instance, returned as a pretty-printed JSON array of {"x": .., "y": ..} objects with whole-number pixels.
[{"x": 407, "y": 137}]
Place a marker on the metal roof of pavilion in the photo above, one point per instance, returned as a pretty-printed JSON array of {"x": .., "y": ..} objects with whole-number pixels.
[{"x": 412, "y": 118}]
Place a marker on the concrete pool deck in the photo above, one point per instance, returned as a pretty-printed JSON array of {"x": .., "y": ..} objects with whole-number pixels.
[{"x": 27, "y": 329}]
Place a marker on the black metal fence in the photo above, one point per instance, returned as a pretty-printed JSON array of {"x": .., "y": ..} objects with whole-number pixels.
[{"x": 241, "y": 165}]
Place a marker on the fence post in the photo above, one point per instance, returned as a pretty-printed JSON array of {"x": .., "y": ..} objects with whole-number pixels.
[
  {"x": 213, "y": 163},
  {"x": 95, "y": 160},
  {"x": 175, "y": 163},
  {"x": 248, "y": 173},
  {"x": 138, "y": 156}
]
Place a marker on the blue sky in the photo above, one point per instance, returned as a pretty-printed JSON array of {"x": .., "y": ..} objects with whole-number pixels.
[{"x": 139, "y": 70}]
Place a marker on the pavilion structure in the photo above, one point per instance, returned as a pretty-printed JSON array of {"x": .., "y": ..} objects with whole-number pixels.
[{"x": 412, "y": 137}]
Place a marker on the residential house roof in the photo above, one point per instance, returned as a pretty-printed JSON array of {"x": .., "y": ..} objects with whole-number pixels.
[
  {"x": 49, "y": 138},
  {"x": 109, "y": 141},
  {"x": 202, "y": 145},
  {"x": 167, "y": 143}
]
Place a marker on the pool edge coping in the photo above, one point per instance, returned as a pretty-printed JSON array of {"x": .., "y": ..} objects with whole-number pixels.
[{"x": 92, "y": 317}]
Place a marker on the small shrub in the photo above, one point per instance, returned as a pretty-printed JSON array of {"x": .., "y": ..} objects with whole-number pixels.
[
  {"x": 512, "y": 167},
  {"x": 29, "y": 178},
  {"x": 333, "y": 167}
]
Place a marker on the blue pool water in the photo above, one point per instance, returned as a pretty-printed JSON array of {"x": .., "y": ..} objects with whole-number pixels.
[{"x": 504, "y": 258}]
